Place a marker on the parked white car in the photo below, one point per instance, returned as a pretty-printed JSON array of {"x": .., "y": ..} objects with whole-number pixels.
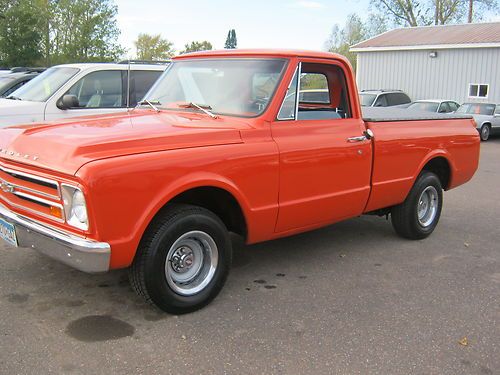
[{"x": 79, "y": 90}]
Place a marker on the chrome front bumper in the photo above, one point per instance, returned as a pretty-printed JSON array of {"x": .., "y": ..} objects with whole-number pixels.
[{"x": 80, "y": 253}]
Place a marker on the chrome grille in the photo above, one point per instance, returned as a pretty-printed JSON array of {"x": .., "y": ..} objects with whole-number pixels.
[{"x": 30, "y": 192}]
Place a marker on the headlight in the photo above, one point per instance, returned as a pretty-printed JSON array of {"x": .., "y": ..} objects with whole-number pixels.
[{"x": 75, "y": 208}]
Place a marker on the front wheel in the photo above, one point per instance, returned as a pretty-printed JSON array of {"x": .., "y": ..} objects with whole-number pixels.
[
  {"x": 485, "y": 132},
  {"x": 183, "y": 259},
  {"x": 418, "y": 215}
]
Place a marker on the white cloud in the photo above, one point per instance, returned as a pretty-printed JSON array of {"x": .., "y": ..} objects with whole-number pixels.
[{"x": 308, "y": 4}]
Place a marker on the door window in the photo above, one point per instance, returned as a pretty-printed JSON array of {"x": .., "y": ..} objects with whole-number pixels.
[
  {"x": 397, "y": 98},
  {"x": 322, "y": 94},
  {"x": 453, "y": 106},
  {"x": 140, "y": 83},
  {"x": 102, "y": 89},
  {"x": 381, "y": 101},
  {"x": 444, "y": 108},
  {"x": 287, "y": 111}
]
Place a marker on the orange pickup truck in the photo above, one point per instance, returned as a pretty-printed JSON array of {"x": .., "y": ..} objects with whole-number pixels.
[{"x": 222, "y": 143}]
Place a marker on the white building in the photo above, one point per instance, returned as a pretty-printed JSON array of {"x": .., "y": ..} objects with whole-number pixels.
[{"x": 457, "y": 62}]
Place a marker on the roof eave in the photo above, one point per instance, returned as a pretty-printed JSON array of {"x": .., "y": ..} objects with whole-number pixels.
[{"x": 425, "y": 47}]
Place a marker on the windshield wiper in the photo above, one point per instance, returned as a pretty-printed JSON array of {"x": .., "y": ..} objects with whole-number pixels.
[
  {"x": 202, "y": 107},
  {"x": 152, "y": 104},
  {"x": 13, "y": 97}
]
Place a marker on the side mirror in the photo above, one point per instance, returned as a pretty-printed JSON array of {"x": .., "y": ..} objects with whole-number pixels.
[
  {"x": 496, "y": 115},
  {"x": 67, "y": 102}
]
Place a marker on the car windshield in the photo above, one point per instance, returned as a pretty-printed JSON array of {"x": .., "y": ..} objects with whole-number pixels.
[
  {"x": 477, "y": 109},
  {"x": 424, "y": 106},
  {"x": 238, "y": 87},
  {"x": 42, "y": 87},
  {"x": 367, "y": 99}
]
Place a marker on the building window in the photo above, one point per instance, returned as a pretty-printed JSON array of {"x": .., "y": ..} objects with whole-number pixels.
[{"x": 478, "y": 90}]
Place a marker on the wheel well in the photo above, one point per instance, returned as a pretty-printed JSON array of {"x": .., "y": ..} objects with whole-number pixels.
[
  {"x": 441, "y": 168},
  {"x": 220, "y": 202},
  {"x": 486, "y": 123}
]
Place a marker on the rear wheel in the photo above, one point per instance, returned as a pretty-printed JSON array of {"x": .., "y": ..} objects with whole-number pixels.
[
  {"x": 183, "y": 259},
  {"x": 418, "y": 215},
  {"x": 485, "y": 132}
]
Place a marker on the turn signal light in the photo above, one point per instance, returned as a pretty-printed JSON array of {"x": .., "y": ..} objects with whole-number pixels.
[{"x": 56, "y": 211}]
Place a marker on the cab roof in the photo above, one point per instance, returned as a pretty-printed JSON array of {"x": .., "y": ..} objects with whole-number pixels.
[{"x": 284, "y": 53}]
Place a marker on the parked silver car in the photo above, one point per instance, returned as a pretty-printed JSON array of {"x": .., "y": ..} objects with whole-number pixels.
[
  {"x": 434, "y": 105},
  {"x": 486, "y": 115},
  {"x": 383, "y": 98}
]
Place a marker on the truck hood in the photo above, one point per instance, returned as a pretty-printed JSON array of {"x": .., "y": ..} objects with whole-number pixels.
[{"x": 67, "y": 145}]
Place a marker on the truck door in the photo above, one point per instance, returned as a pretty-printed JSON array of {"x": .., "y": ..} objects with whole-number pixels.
[{"x": 325, "y": 159}]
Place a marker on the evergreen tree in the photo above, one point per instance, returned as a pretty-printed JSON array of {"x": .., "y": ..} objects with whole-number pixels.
[{"x": 231, "y": 41}]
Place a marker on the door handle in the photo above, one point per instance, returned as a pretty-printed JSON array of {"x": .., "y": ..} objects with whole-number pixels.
[{"x": 361, "y": 138}]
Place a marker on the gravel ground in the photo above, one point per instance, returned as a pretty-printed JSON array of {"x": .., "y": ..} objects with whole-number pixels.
[{"x": 351, "y": 298}]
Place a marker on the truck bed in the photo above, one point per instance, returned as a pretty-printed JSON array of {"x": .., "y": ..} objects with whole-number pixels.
[{"x": 386, "y": 114}]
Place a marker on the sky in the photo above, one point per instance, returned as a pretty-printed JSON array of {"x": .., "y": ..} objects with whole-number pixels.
[{"x": 297, "y": 24}]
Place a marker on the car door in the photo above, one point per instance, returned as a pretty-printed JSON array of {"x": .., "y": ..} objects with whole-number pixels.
[
  {"x": 97, "y": 92},
  {"x": 325, "y": 161},
  {"x": 495, "y": 122}
]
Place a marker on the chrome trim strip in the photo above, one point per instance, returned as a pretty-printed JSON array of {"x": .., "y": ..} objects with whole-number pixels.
[
  {"x": 284, "y": 99},
  {"x": 41, "y": 200},
  {"x": 81, "y": 253},
  {"x": 43, "y": 179},
  {"x": 30, "y": 189},
  {"x": 25, "y": 208},
  {"x": 297, "y": 94}
]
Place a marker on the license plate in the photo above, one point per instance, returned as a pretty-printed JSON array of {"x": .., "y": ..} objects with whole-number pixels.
[{"x": 8, "y": 232}]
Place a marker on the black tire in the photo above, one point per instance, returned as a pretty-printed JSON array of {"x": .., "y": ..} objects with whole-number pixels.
[
  {"x": 485, "y": 132},
  {"x": 405, "y": 217},
  {"x": 154, "y": 279}
]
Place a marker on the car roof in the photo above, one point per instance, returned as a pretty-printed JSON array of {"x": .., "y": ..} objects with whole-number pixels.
[
  {"x": 14, "y": 76},
  {"x": 433, "y": 101},
  {"x": 86, "y": 66},
  {"x": 381, "y": 91},
  {"x": 476, "y": 103}
]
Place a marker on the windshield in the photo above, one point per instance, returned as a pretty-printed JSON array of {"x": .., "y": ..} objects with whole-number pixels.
[
  {"x": 367, "y": 99},
  {"x": 477, "y": 109},
  {"x": 239, "y": 87},
  {"x": 40, "y": 88},
  {"x": 424, "y": 106}
]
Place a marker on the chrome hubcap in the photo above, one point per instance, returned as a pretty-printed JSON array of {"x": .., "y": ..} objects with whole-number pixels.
[
  {"x": 427, "y": 206},
  {"x": 486, "y": 132},
  {"x": 191, "y": 263}
]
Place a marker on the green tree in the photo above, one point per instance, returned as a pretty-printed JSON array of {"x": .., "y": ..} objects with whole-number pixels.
[
  {"x": 19, "y": 33},
  {"x": 231, "y": 41},
  {"x": 341, "y": 40},
  {"x": 84, "y": 30},
  {"x": 197, "y": 46},
  {"x": 153, "y": 47}
]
